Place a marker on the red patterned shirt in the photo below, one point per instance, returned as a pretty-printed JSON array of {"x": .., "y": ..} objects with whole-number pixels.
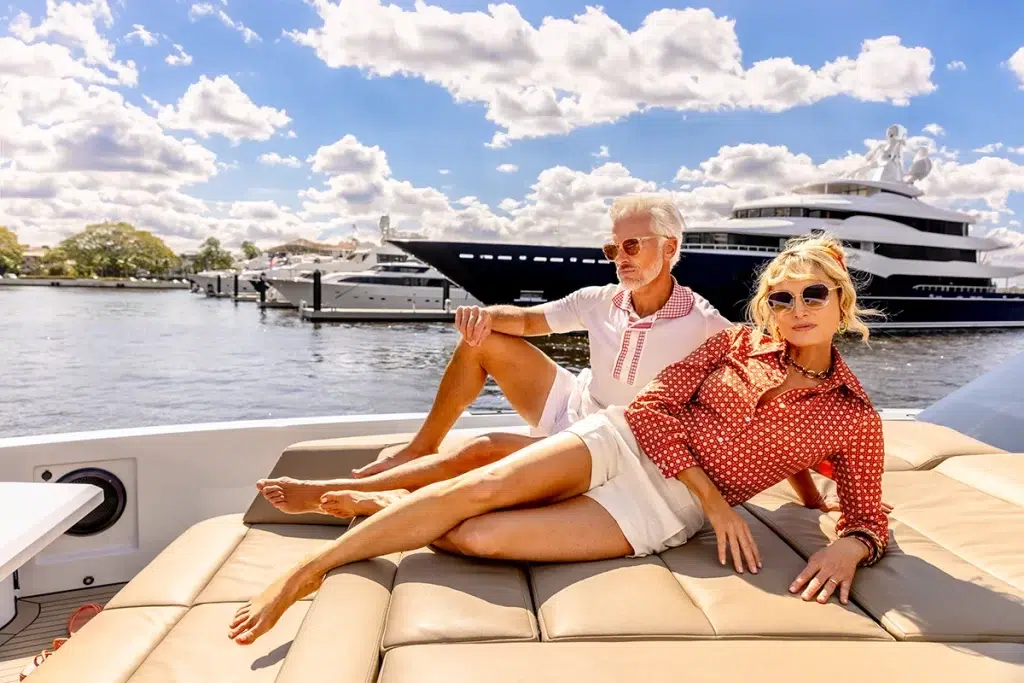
[{"x": 703, "y": 412}]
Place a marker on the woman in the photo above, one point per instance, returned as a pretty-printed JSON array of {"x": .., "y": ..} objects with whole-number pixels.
[{"x": 749, "y": 408}]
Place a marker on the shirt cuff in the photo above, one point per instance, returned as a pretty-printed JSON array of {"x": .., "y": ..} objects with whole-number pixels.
[{"x": 672, "y": 457}]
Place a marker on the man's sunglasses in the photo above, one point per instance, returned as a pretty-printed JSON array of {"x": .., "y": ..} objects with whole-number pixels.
[
  {"x": 814, "y": 296},
  {"x": 630, "y": 246}
]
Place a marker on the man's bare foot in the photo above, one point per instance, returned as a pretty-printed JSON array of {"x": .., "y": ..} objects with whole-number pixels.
[
  {"x": 293, "y": 496},
  {"x": 259, "y": 615},
  {"x": 357, "y": 503},
  {"x": 393, "y": 456}
]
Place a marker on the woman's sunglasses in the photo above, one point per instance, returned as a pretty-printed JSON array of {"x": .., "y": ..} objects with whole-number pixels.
[
  {"x": 814, "y": 296},
  {"x": 630, "y": 246}
]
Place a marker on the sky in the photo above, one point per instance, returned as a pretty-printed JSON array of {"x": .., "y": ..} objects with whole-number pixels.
[{"x": 267, "y": 120}]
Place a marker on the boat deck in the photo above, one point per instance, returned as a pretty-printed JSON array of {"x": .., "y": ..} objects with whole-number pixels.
[{"x": 40, "y": 619}]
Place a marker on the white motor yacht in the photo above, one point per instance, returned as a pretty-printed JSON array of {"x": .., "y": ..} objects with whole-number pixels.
[{"x": 410, "y": 285}]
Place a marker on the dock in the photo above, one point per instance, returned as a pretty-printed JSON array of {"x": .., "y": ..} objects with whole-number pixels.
[
  {"x": 90, "y": 283},
  {"x": 276, "y": 304},
  {"x": 391, "y": 315}
]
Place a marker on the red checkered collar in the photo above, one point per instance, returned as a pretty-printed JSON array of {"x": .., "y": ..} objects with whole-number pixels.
[{"x": 679, "y": 304}]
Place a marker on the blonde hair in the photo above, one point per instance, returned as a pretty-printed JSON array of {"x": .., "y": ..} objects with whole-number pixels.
[
  {"x": 666, "y": 220},
  {"x": 796, "y": 260}
]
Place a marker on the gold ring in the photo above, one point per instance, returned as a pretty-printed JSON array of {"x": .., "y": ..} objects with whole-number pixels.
[{"x": 831, "y": 580}]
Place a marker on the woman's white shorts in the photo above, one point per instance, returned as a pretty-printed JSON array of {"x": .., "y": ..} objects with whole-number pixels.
[{"x": 653, "y": 512}]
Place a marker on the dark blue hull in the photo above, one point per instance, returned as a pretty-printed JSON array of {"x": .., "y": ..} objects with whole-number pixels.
[{"x": 498, "y": 273}]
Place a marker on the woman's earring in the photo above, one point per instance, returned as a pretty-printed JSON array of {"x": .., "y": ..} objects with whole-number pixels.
[{"x": 843, "y": 327}]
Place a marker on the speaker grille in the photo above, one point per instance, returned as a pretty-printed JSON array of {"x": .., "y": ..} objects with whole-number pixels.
[{"x": 110, "y": 509}]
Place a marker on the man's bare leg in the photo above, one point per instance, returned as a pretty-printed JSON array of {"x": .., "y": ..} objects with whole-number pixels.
[
  {"x": 554, "y": 469},
  {"x": 297, "y": 496},
  {"x": 521, "y": 370}
]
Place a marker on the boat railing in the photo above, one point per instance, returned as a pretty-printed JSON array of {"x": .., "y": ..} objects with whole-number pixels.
[
  {"x": 731, "y": 247},
  {"x": 978, "y": 291},
  {"x": 966, "y": 289}
]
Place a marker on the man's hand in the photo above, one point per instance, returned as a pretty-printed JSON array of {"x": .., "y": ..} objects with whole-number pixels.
[
  {"x": 473, "y": 323},
  {"x": 732, "y": 532},
  {"x": 830, "y": 568}
]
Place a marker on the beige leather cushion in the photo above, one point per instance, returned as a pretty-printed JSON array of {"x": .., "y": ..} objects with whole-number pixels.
[
  {"x": 948, "y": 554},
  {"x": 686, "y": 593},
  {"x": 262, "y": 557},
  {"x": 180, "y": 572},
  {"x": 910, "y": 444},
  {"x": 1000, "y": 475},
  {"x": 760, "y": 605},
  {"x": 440, "y": 597},
  {"x": 705, "y": 662},
  {"x": 614, "y": 600},
  {"x": 986, "y": 531},
  {"x": 110, "y": 647},
  {"x": 198, "y": 650},
  {"x": 339, "y": 639}
]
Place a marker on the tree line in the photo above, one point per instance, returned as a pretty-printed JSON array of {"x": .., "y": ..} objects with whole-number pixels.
[{"x": 113, "y": 250}]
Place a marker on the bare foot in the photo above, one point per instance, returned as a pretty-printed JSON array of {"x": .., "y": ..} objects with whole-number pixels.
[
  {"x": 357, "y": 503},
  {"x": 293, "y": 496},
  {"x": 392, "y": 456},
  {"x": 259, "y": 615}
]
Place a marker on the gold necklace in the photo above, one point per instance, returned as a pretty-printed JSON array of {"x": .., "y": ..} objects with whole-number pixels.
[{"x": 806, "y": 372}]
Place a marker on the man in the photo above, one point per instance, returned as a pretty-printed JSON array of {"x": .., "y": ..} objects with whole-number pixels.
[{"x": 636, "y": 327}]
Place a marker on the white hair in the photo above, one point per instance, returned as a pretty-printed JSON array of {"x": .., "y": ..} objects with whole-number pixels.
[{"x": 666, "y": 220}]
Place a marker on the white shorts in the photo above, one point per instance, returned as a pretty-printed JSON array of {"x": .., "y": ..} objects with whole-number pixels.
[
  {"x": 653, "y": 512},
  {"x": 556, "y": 415}
]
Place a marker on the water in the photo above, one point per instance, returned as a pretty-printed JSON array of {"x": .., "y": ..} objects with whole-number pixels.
[{"x": 93, "y": 359}]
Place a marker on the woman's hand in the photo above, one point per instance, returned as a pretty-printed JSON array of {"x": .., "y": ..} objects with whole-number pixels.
[
  {"x": 732, "y": 532},
  {"x": 830, "y": 568}
]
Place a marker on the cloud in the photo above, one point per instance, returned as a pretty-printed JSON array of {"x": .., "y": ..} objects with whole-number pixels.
[
  {"x": 80, "y": 151},
  {"x": 588, "y": 70},
  {"x": 275, "y": 159},
  {"x": 956, "y": 65},
  {"x": 74, "y": 25},
  {"x": 998, "y": 146},
  {"x": 142, "y": 35},
  {"x": 444, "y": 171},
  {"x": 205, "y": 9},
  {"x": 220, "y": 107},
  {"x": 934, "y": 129},
  {"x": 182, "y": 58},
  {"x": 507, "y": 168},
  {"x": 1016, "y": 65}
]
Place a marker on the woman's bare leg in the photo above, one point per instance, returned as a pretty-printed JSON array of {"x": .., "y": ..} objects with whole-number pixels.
[
  {"x": 554, "y": 469},
  {"x": 573, "y": 530},
  {"x": 297, "y": 496}
]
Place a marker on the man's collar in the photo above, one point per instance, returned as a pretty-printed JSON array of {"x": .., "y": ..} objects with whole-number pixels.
[{"x": 679, "y": 304}]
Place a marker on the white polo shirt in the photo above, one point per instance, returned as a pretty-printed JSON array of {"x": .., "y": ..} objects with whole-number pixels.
[{"x": 627, "y": 351}]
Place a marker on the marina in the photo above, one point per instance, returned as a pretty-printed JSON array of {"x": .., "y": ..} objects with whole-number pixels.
[{"x": 441, "y": 342}]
